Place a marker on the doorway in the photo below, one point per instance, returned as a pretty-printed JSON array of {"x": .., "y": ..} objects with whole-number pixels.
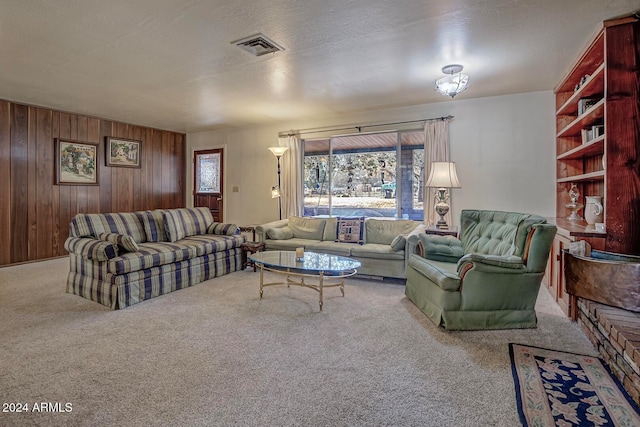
[{"x": 207, "y": 181}]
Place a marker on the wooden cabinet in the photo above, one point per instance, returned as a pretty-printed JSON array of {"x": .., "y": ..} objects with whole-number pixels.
[
  {"x": 598, "y": 135},
  {"x": 598, "y": 147},
  {"x": 554, "y": 275}
]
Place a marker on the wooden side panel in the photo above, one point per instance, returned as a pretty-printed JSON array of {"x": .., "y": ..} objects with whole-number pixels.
[
  {"x": 35, "y": 212},
  {"x": 5, "y": 183},
  {"x": 32, "y": 217},
  {"x": 167, "y": 170},
  {"x": 622, "y": 198},
  {"x": 106, "y": 129},
  {"x": 79, "y": 126},
  {"x": 19, "y": 183},
  {"x": 93, "y": 135},
  {"x": 157, "y": 168},
  {"x": 44, "y": 183},
  {"x": 180, "y": 158}
]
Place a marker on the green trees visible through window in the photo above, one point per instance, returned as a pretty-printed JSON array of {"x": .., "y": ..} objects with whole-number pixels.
[{"x": 375, "y": 174}]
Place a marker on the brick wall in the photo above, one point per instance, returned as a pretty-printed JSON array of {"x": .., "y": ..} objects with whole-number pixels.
[{"x": 616, "y": 334}]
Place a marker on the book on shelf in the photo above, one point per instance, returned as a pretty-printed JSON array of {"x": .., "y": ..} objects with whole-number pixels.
[
  {"x": 597, "y": 130},
  {"x": 587, "y": 135},
  {"x": 585, "y": 103}
]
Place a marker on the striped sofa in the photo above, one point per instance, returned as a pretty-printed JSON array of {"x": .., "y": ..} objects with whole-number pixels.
[{"x": 120, "y": 259}]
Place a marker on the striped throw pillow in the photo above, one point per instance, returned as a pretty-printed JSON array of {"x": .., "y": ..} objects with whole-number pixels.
[
  {"x": 123, "y": 241},
  {"x": 153, "y": 223},
  {"x": 181, "y": 223},
  {"x": 223, "y": 229}
]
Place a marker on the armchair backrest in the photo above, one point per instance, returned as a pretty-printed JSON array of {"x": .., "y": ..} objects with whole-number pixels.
[{"x": 496, "y": 232}]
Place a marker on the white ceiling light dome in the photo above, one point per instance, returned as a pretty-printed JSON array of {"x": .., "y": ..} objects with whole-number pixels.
[{"x": 454, "y": 83}]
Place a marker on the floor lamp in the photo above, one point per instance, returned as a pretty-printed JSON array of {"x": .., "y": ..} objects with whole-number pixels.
[{"x": 275, "y": 191}]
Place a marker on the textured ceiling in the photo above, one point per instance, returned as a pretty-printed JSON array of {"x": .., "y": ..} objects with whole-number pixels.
[{"x": 170, "y": 64}]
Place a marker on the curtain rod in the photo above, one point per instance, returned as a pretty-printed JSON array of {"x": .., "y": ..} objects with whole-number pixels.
[{"x": 358, "y": 127}]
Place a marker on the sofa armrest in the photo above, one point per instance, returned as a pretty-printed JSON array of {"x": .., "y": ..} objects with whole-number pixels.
[
  {"x": 223, "y": 229},
  {"x": 441, "y": 248},
  {"x": 261, "y": 230},
  {"x": 90, "y": 248}
]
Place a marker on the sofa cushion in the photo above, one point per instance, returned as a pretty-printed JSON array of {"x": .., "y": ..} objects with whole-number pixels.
[
  {"x": 210, "y": 243},
  {"x": 124, "y": 242},
  {"x": 330, "y": 228},
  {"x": 441, "y": 248},
  {"x": 180, "y": 223},
  {"x": 280, "y": 233},
  {"x": 153, "y": 223},
  {"x": 442, "y": 274},
  {"x": 350, "y": 229},
  {"x": 307, "y": 228},
  {"x": 92, "y": 225},
  {"x": 384, "y": 231},
  {"x": 376, "y": 250},
  {"x": 150, "y": 255},
  {"x": 327, "y": 247},
  {"x": 490, "y": 232},
  {"x": 288, "y": 244}
]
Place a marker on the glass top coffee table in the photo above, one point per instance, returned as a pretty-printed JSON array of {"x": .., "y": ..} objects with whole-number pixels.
[{"x": 315, "y": 265}]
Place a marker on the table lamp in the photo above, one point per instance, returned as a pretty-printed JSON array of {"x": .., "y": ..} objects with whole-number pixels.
[{"x": 442, "y": 176}]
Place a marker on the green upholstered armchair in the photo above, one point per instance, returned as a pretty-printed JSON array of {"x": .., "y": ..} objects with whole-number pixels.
[{"x": 487, "y": 279}]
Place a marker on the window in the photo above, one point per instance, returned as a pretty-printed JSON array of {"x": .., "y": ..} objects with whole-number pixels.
[{"x": 360, "y": 175}]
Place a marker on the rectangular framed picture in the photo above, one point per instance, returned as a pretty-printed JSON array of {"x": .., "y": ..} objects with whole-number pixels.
[
  {"x": 76, "y": 162},
  {"x": 124, "y": 153}
]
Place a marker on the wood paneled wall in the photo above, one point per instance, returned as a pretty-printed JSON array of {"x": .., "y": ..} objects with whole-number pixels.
[{"x": 35, "y": 212}]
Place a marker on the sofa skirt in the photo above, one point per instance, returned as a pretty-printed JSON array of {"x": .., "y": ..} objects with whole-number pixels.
[{"x": 90, "y": 280}]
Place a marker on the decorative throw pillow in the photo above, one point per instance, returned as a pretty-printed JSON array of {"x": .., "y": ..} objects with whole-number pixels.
[
  {"x": 184, "y": 222},
  {"x": 124, "y": 242},
  {"x": 350, "y": 229},
  {"x": 283, "y": 233},
  {"x": 398, "y": 243},
  {"x": 153, "y": 223},
  {"x": 223, "y": 229}
]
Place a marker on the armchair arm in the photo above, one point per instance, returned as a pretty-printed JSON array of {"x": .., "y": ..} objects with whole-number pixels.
[
  {"x": 441, "y": 248},
  {"x": 538, "y": 246},
  {"x": 413, "y": 241},
  {"x": 261, "y": 230},
  {"x": 90, "y": 248},
  {"x": 508, "y": 264}
]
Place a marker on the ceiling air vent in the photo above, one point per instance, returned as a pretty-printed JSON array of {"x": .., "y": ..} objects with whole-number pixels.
[{"x": 258, "y": 44}]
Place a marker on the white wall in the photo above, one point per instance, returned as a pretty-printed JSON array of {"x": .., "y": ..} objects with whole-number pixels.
[{"x": 503, "y": 146}]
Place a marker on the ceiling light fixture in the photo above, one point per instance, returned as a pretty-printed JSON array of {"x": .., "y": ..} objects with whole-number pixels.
[{"x": 454, "y": 83}]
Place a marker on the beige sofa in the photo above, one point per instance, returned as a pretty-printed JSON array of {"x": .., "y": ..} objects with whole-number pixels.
[{"x": 383, "y": 252}]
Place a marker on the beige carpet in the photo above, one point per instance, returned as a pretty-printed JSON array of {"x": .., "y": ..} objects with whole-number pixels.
[{"x": 215, "y": 354}]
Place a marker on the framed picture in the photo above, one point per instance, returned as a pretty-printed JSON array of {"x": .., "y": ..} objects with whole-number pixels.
[
  {"x": 76, "y": 162},
  {"x": 124, "y": 153}
]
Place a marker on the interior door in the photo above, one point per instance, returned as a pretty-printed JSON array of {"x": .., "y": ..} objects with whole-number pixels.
[{"x": 207, "y": 181}]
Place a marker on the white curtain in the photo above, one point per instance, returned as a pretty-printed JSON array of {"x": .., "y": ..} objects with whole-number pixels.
[
  {"x": 436, "y": 149},
  {"x": 291, "y": 165}
]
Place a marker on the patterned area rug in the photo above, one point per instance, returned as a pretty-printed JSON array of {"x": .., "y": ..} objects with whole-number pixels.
[{"x": 554, "y": 388}]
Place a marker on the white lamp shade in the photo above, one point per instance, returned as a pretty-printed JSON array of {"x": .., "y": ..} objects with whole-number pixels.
[
  {"x": 275, "y": 192},
  {"x": 452, "y": 85},
  {"x": 443, "y": 175},
  {"x": 278, "y": 151}
]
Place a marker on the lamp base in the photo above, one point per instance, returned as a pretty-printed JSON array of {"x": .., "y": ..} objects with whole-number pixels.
[
  {"x": 442, "y": 209},
  {"x": 442, "y": 224}
]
